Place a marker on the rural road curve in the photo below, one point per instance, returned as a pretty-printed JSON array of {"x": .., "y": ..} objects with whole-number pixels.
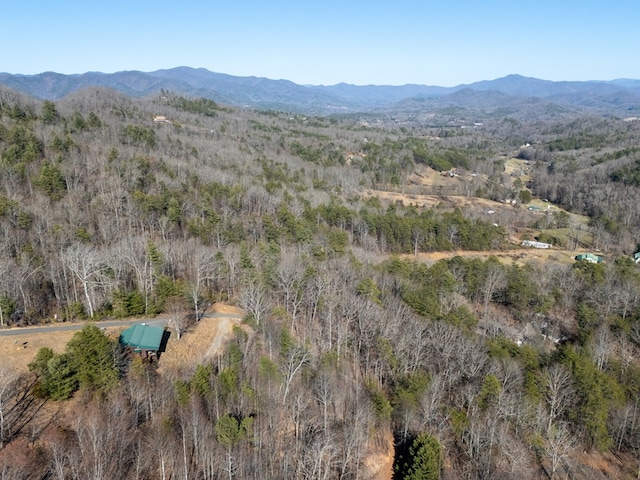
[{"x": 158, "y": 322}]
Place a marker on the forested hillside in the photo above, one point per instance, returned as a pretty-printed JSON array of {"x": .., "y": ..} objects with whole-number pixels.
[{"x": 351, "y": 347}]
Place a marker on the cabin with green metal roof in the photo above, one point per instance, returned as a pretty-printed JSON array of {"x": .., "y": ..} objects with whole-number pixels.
[
  {"x": 143, "y": 339},
  {"x": 589, "y": 257}
]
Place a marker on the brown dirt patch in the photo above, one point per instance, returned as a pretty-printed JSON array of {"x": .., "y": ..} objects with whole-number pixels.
[
  {"x": 203, "y": 341},
  {"x": 378, "y": 462},
  {"x": 598, "y": 465},
  {"x": 520, "y": 256},
  {"x": 19, "y": 350},
  {"x": 19, "y": 354},
  {"x": 223, "y": 308}
]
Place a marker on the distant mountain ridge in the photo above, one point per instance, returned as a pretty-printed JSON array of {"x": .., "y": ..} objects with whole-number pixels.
[{"x": 621, "y": 96}]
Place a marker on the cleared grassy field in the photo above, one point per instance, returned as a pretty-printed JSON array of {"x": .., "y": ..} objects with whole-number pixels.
[
  {"x": 566, "y": 237},
  {"x": 516, "y": 167},
  {"x": 19, "y": 350}
]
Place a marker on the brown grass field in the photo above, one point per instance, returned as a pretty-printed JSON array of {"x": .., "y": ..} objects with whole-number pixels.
[
  {"x": 519, "y": 256},
  {"x": 14, "y": 353}
]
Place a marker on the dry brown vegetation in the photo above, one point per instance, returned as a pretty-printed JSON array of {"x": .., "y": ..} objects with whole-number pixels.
[
  {"x": 517, "y": 256},
  {"x": 14, "y": 350},
  {"x": 202, "y": 343},
  {"x": 20, "y": 349}
]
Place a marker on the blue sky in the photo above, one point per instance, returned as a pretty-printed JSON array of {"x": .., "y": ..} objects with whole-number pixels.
[{"x": 326, "y": 42}]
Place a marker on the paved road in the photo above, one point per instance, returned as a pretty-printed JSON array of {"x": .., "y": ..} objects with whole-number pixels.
[
  {"x": 75, "y": 326},
  {"x": 157, "y": 322}
]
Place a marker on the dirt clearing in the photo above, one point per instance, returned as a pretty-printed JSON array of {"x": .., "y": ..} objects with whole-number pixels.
[
  {"x": 519, "y": 256},
  {"x": 202, "y": 342}
]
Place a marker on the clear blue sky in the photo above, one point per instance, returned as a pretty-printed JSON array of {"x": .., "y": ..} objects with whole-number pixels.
[{"x": 326, "y": 42}]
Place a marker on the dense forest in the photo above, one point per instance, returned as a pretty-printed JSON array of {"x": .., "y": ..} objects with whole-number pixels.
[{"x": 468, "y": 367}]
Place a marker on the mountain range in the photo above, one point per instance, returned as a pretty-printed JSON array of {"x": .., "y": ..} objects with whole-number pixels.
[{"x": 620, "y": 97}]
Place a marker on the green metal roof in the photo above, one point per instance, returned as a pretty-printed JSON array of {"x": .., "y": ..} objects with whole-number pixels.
[
  {"x": 589, "y": 256},
  {"x": 142, "y": 336}
]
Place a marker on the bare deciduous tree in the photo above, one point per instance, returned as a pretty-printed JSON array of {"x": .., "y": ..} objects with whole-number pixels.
[
  {"x": 200, "y": 268},
  {"x": 180, "y": 318},
  {"x": 294, "y": 359},
  {"x": 494, "y": 280},
  {"x": 86, "y": 264},
  {"x": 602, "y": 346},
  {"x": 254, "y": 299},
  {"x": 133, "y": 252},
  {"x": 559, "y": 443},
  {"x": 559, "y": 391},
  {"x": 291, "y": 284}
]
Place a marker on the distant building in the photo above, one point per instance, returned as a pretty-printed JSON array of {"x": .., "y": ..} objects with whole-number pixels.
[
  {"x": 589, "y": 257},
  {"x": 160, "y": 119},
  {"x": 534, "y": 244}
]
